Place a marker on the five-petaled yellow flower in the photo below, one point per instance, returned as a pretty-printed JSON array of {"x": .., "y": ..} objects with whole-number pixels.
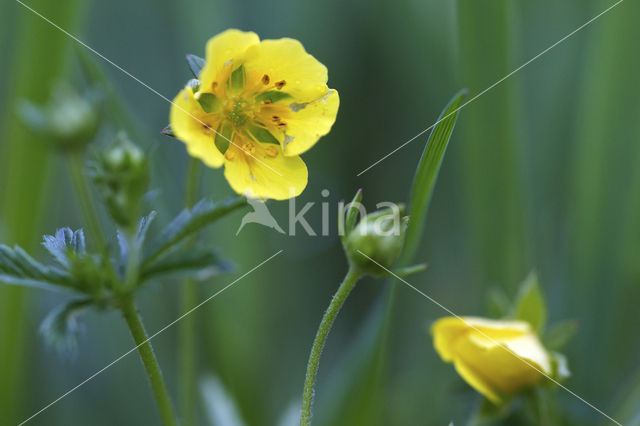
[
  {"x": 256, "y": 106},
  {"x": 497, "y": 358}
]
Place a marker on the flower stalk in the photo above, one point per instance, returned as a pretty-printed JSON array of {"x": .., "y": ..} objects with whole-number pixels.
[
  {"x": 130, "y": 312},
  {"x": 79, "y": 180},
  {"x": 349, "y": 282}
]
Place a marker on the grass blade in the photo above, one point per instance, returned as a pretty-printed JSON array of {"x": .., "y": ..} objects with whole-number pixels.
[{"x": 427, "y": 173}]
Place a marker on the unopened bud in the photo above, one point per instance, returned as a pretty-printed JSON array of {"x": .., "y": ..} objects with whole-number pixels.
[
  {"x": 69, "y": 119},
  {"x": 122, "y": 176},
  {"x": 376, "y": 242}
]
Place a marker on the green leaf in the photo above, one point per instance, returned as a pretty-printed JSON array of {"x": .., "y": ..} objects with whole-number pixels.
[
  {"x": 18, "y": 268},
  {"x": 263, "y": 135},
  {"x": 209, "y": 102},
  {"x": 237, "y": 79},
  {"x": 188, "y": 222},
  {"x": 272, "y": 96},
  {"x": 427, "y": 173},
  {"x": 197, "y": 264},
  {"x": 498, "y": 304},
  {"x": 530, "y": 305},
  {"x": 560, "y": 334},
  {"x": 223, "y": 137},
  {"x": 60, "y": 327},
  {"x": 196, "y": 64}
]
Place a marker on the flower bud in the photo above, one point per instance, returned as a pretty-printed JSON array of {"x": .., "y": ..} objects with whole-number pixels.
[
  {"x": 71, "y": 120},
  {"x": 498, "y": 358},
  {"x": 376, "y": 242},
  {"x": 122, "y": 176}
]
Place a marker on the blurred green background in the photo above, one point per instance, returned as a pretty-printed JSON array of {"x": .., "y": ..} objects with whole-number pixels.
[{"x": 541, "y": 174}]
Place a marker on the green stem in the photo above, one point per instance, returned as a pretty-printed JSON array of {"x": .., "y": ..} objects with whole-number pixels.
[
  {"x": 79, "y": 178},
  {"x": 321, "y": 336},
  {"x": 149, "y": 360},
  {"x": 187, "y": 336}
]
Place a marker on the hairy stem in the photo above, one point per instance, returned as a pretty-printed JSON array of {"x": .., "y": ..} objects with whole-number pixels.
[
  {"x": 149, "y": 360},
  {"x": 329, "y": 317},
  {"x": 187, "y": 336}
]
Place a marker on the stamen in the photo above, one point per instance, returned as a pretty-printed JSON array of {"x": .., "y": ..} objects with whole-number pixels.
[
  {"x": 271, "y": 151},
  {"x": 265, "y": 79},
  {"x": 230, "y": 154},
  {"x": 280, "y": 84},
  {"x": 214, "y": 85},
  {"x": 249, "y": 147},
  {"x": 281, "y": 125},
  {"x": 275, "y": 118}
]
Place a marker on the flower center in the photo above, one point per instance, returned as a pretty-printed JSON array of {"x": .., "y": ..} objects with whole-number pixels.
[{"x": 239, "y": 112}]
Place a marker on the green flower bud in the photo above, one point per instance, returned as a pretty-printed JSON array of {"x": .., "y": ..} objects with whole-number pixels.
[
  {"x": 377, "y": 240},
  {"x": 122, "y": 175},
  {"x": 69, "y": 119}
]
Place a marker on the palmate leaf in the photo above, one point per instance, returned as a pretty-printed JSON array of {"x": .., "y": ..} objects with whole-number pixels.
[
  {"x": 427, "y": 173},
  {"x": 18, "y": 268},
  {"x": 60, "y": 327},
  {"x": 65, "y": 243},
  {"x": 188, "y": 222},
  {"x": 197, "y": 264}
]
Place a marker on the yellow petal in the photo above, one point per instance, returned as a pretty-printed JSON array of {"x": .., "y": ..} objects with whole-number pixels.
[
  {"x": 189, "y": 124},
  {"x": 477, "y": 381},
  {"x": 310, "y": 123},
  {"x": 228, "y": 45},
  {"x": 286, "y": 61},
  {"x": 272, "y": 176}
]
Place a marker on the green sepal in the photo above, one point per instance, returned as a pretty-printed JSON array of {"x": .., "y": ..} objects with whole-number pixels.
[
  {"x": 223, "y": 138},
  {"x": 168, "y": 131},
  {"x": 351, "y": 217},
  {"x": 209, "y": 102},
  {"x": 530, "y": 305},
  {"x": 196, "y": 64},
  {"x": 408, "y": 270},
  {"x": 272, "y": 96},
  {"x": 263, "y": 135},
  {"x": 560, "y": 334},
  {"x": 237, "y": 79}
]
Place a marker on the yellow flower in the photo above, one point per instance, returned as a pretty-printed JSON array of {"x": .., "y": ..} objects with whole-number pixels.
[
  {"x": 257, "y": 106},
  {"x": 496, "y": 357}
]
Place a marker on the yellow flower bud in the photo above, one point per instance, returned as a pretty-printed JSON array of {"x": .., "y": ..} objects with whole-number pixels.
[{"x": 497, "y": 358}]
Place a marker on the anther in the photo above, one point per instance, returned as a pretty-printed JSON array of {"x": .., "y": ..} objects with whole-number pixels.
[
  {"x": 230, "y": 154},
  {"x": 265, "y": 79},
  {"x": 249, "y": 148},
  {"x": 280, "y": 84},
  {"x": 271, "y": 151}
]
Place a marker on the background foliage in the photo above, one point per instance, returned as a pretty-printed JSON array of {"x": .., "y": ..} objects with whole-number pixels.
[{"x": 540, "y": 174}]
